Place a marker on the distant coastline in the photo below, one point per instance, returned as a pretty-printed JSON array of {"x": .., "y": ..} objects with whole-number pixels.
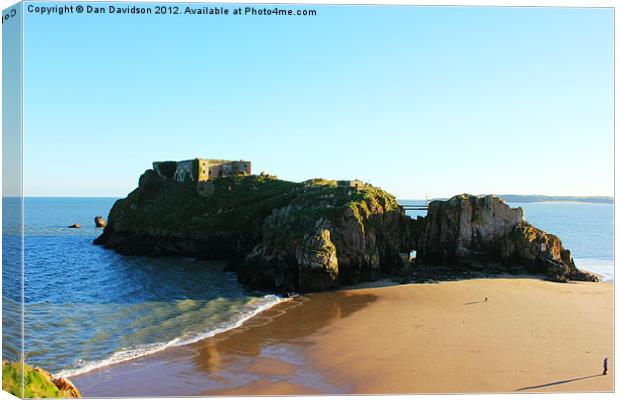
[{"x": 539, "y": 198}]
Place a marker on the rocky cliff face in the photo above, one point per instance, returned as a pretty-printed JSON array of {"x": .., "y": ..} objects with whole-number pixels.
[
  {"x": 279, "y": 235},
  {"x": 324, "y": 248},
  {"x": 469, "y": 231},
  {"x": 465, "y": 227}
]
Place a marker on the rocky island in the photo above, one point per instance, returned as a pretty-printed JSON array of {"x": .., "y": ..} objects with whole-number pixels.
[
  {"x": 322, "y": 234},
  {"x": 277, "y": 235},
  {"x": 484, "y": 233}
]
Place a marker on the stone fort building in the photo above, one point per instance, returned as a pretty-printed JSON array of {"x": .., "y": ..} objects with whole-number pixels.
[{"x": 199, "y": 171}]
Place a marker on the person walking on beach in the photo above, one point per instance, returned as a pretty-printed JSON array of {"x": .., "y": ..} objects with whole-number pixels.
[{"x": 605, "y": 366}]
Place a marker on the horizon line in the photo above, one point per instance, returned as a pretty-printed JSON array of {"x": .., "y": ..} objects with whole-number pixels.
[{"x": 402, "y": 198}]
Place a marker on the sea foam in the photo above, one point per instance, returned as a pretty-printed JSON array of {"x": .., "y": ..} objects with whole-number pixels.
[{"x": 255, "y": 307}]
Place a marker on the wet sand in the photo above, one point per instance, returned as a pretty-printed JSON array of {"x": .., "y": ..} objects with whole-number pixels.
[
  {"x": 530, "y": 335},
  {"x": 267, "y": 355}
]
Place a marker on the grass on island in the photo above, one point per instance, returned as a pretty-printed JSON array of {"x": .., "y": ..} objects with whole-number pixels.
[{"x": 241, "y": 203}]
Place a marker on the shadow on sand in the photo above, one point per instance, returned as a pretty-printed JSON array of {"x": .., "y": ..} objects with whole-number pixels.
[{"x": 556, "y": 383}]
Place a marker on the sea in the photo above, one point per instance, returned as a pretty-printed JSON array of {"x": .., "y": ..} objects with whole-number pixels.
[{"x": 87, "y": 307}]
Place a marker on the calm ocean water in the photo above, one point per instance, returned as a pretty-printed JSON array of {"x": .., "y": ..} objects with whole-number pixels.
[{"x": 87, "y": 307}]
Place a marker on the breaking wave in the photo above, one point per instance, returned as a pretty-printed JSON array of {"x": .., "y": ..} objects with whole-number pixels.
[{"x": 255, "y": 306}]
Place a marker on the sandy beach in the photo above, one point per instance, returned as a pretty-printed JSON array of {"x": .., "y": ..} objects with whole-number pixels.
[{"x": 529, "y": 335}]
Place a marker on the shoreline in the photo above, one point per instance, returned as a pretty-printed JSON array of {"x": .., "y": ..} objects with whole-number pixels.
[
  {"x": 127, "y": 355},
  {"x": 319, "y": 343},
  {"x": 601, "y": 276}
]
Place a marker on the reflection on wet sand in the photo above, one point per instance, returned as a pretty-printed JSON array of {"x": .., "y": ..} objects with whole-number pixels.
[
  {"x": 267, "y": 353},
  {"x": 279, "y": 326}
]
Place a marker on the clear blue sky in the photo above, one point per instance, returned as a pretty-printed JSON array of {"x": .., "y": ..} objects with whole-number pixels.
[{"x": 417, "y": 100}]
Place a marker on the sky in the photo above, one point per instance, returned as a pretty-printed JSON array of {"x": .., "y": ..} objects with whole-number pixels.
[{"x": 420, "y": 101}]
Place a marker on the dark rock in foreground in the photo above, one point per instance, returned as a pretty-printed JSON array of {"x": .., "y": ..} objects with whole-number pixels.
[
  {"x": 279, "y": 235},
  {"x": 478, "y": 234}
]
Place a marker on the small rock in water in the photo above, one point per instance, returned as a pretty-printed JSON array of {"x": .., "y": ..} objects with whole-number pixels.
[
  {"x": 75, "y": 226},
  {"x": 100, "y": 222}
]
